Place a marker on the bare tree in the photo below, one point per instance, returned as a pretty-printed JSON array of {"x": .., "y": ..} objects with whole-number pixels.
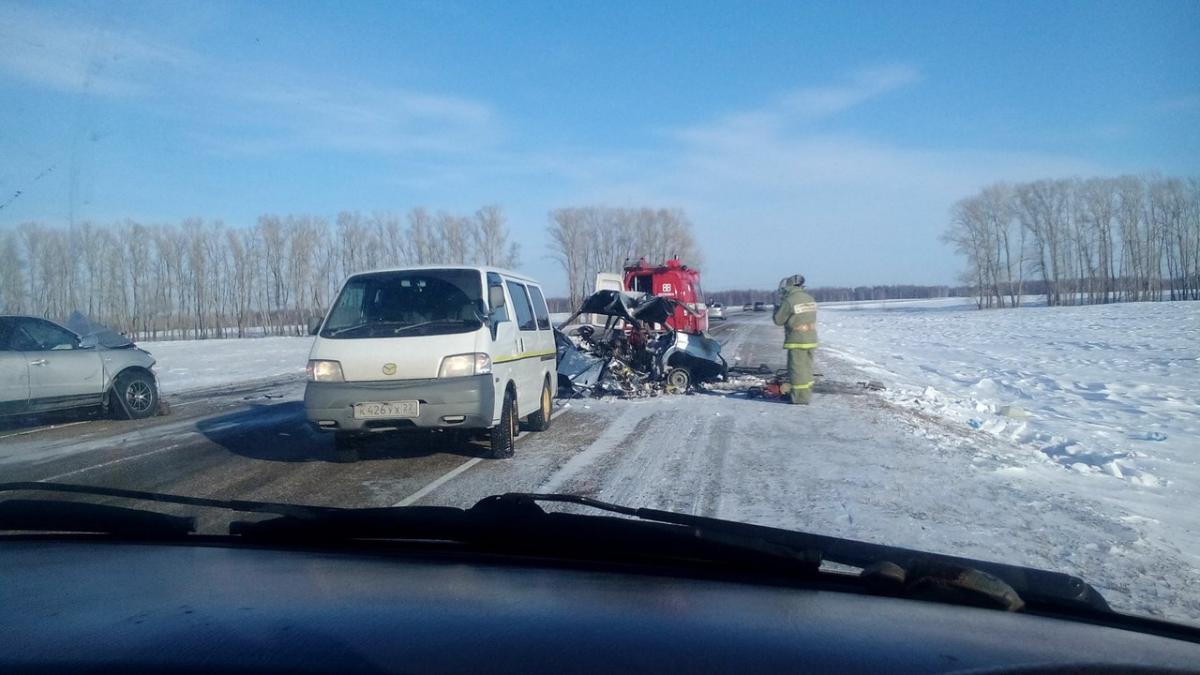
[{"x": 12, "y": 277}]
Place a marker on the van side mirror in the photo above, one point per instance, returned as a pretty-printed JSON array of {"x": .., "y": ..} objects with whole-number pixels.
[
  {"x": 496, "y": 301},
  {"x": 496, "y": 297},
  {"x": 314, "y": 326}
]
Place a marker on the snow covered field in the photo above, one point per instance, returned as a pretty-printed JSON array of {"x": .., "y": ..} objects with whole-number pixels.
[
  {"x": 1093, "y": 410},
  {"x": 1112, "y": 389},
  {"x": 188, "y": 365}
]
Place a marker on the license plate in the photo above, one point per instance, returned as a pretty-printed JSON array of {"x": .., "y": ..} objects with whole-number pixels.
[{"x": 386, "y": 409}]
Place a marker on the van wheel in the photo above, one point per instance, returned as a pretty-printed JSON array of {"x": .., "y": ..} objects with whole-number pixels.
[
  {"x": 134, "y": 396},
  {"x": 346, "y": 446},
  {"x": 540, "y": 420},
  {"x": 503, "y": 436}
]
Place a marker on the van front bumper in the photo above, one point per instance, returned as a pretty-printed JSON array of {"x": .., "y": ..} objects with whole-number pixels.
[{"x": 330, "y": 405}]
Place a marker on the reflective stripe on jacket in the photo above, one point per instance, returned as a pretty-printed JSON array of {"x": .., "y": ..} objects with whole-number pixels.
[{"x": 798, "y": 314}]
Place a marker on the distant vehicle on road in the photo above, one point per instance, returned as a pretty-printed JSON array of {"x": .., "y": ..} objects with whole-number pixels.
[
  {"x": 422, "y": 348},
  {"x": 747, "y": 307},
  {"x": 45, "y": 367},
  {"x": 716, "y": 311},
  {"x": 760, "y": 306}
]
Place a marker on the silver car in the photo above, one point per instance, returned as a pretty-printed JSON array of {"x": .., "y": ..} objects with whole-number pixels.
[
  {"x": 45, "y": 367},
  {"x": 716, "y": 311}
]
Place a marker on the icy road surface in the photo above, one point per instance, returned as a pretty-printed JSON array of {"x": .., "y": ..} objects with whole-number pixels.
[{"x": 928, "y": 463}]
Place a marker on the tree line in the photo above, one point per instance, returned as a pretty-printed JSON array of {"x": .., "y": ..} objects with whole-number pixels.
[
  {"x": 201, "y": 279},
  {"x": 1099, "y": 240},
  {"x": 593, "y": 239},
  {"x": 744, "y": 296}
]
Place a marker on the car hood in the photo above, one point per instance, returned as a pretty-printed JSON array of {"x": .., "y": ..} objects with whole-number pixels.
[{"x": 97, "y": 334}]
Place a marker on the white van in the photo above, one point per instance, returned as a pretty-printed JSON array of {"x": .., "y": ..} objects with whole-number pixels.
[{"x": 438, "y": 347}]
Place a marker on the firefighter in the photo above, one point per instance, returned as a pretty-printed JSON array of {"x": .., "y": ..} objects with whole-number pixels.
[{"x": 797, "y": 311}]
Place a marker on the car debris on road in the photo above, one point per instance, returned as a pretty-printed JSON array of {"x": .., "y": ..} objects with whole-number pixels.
[
  {"x": 771, "y": 384},
  {"x": 635, "y": 353}
]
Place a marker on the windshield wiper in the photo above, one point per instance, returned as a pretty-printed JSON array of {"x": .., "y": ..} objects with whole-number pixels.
[
  {"x": 515, "y": 523},
  {"x": 916, "y": 575},
  {"x": 39, "y": 515},
  {"x": 405, "y": 329},
  {"x": 140, "y": 495},
  {"x": 400, "y": 326},
  {"x": 359, "y": 326},
  {"x": 891, "y": 569}
]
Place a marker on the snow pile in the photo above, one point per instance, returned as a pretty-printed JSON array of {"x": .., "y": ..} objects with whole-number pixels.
[
  {"x": 1111, "y": 390},
  {"x": 188, "y": 365}
]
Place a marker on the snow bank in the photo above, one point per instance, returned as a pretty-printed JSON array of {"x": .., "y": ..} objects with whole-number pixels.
[
  {"x": 1110, "y": 390},
  {"x": 187, "y": 365}
]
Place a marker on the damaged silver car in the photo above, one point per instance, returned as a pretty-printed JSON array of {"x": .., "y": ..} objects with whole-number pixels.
[
  {"x": 45, "y": 367},
  {"x": 634, "y": 353}
]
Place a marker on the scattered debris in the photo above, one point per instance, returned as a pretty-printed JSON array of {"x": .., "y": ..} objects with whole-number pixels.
[{"x": 634, "y": 354}]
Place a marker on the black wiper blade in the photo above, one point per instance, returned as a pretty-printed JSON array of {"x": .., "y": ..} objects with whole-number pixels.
[
  {"x": 1008, "y": 586},
  {"x": 515, "y": 523},
  {"x": 511, "y": 525},
  {"x": 33, "y": 515},
  {"x": 139, "y": 495}
]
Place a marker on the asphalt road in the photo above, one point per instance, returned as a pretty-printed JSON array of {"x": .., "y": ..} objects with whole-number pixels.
[{"x": 252, "y": 442}]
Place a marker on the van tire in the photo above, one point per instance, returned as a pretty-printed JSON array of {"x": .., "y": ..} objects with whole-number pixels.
[
  {"x": 503, "y": 437},
  {"x": 540, "y": 420},
  {"x": 346, "y": 447}
]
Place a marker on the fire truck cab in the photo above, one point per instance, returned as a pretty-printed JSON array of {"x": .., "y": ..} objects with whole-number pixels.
[{"x": 672, "y": 280}]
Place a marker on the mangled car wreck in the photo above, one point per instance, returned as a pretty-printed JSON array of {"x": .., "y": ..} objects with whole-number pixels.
[{"x": 635, "y": 352}]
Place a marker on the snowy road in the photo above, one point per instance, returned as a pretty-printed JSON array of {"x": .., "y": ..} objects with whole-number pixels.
[{"x": 855, "y": 464}]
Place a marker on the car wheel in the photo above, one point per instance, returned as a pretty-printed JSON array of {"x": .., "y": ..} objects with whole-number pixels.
[
  {"x": 540, "y": 420},
  {"x": 134, "y": 396},
  {"x": 503, "y": 436},
  {"x": 346, "y": 446},
  {"x": 678, "y": 380}
]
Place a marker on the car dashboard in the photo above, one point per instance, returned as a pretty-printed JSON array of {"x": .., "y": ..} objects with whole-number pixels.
[{"x": 83, "y": 605}]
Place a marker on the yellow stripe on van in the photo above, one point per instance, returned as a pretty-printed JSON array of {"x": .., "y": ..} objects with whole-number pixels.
[{"x": 526, "y": 355}]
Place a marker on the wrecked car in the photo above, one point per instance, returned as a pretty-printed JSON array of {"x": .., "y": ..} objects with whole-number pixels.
[
  {"x": 45, "y": 367},
  {"x": 626, "y": 356}
]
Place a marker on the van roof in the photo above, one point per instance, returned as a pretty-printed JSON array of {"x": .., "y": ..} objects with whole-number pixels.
[{"x": 479, "y": 268}]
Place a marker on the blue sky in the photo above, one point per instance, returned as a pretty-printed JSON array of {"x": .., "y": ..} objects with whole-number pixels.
[{"x": 825, "y": 138}]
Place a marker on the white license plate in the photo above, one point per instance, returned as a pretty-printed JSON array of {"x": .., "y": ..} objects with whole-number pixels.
[{"x": 386, "y": 409}]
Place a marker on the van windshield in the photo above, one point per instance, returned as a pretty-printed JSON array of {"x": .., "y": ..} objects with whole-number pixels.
[{"x": 407, "y": 303}]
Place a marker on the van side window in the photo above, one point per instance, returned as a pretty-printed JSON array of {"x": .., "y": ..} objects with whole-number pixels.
[
  {"x": 499, "y": 312},
  {"x": 524, "y": 312},
  {"x": 539, "y": 308}
]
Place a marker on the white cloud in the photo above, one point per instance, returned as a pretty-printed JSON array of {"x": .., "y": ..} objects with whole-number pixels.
[
  {"x": 861, "y": 87},
  {"x": 237, "y": 108},
  {"x": 806, "y": 105},
  {"x": 286, "y": 112},
  {"x": 1185, "y": 103},
  {"x": 67, "y": 55}
]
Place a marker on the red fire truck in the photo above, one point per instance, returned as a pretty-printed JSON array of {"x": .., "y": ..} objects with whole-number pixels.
[{"x": 673, "y": 280}]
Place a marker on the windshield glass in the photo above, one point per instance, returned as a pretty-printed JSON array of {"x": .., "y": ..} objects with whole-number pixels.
[
  {"x": 919, "y": 274},
  {"x": 425, "y": 302}
]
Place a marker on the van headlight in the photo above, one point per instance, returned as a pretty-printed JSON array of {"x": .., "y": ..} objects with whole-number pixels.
[
  {"x": 462, "y": 365},
  {"x": 325, "y": 371}
]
